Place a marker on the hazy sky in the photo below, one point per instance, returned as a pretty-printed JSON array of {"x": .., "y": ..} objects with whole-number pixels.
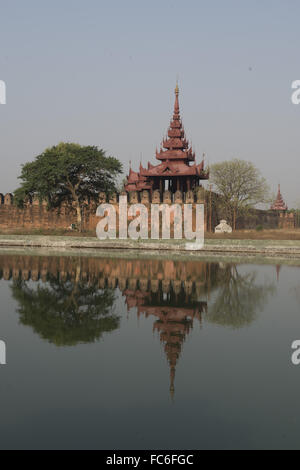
[{"x": 104, "y": 72}]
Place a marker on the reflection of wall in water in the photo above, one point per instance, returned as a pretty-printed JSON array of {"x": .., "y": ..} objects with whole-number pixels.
[
  {"x": 111, "y": 272},
  {"x": 170, "y": 291},
  {"x": 175, "y": 293}
]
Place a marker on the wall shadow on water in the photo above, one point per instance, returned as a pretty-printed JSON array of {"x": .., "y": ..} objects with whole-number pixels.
[{"x": 70, "y": 300}]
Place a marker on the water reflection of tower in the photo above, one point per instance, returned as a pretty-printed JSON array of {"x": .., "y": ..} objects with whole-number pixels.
[
  {"x": 278, "y": 269},
  {"x": 175, "y": 305},
  {"x": 173, "y": 291}
]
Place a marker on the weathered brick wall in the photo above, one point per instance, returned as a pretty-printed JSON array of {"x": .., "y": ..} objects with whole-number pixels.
[
  {"x": 36, "y": 216},
  {"x": 255, "y": 218},
  {"x": 268, "y": 219},
  {"x": 33, "y": 215},
  {"x": 287, "y": 221}
]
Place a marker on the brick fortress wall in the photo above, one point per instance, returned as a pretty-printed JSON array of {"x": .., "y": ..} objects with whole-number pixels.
[{"x": 35, "y": 215}]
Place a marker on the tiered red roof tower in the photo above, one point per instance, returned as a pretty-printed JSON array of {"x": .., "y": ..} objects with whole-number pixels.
[
  {"x": 279, "y": 204},
  {"x": 173, "y": 322},
  {"x": 175, "y": 168}
]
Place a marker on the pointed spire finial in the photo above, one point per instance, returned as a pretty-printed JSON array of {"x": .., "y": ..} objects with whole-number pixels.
[
  {"x": 177, "y": 87},
  {"x": 176, "y": 105}
]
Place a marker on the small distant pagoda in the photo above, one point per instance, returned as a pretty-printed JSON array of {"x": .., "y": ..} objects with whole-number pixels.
[
  {"x": 286, "y": 220},
  {"x": 279, "y": 205},
  {"x": 175, "y": 169}
]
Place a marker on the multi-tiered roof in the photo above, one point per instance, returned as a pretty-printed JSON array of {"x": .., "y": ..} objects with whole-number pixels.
[
  {"x": 176, "y": 157},
  {"x": 279, "y": 204}
]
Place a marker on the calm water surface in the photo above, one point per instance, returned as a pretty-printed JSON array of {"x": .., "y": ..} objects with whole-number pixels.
[{"x": 148, "y": 354}]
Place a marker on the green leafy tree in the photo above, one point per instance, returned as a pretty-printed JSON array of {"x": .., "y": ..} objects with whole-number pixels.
[
  {"x": 66, "y": 312},
  {"x": 240, "y": 185},
  {"x": 70, "y": 174}
]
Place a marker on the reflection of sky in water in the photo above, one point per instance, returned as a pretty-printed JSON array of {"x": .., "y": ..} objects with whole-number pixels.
[{"x": 148, "y": 354}]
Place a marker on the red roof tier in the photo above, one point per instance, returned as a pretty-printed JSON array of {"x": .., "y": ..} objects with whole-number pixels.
[
  {"x": 175, "y": 155},
  {"x": 279, "y": 204}
]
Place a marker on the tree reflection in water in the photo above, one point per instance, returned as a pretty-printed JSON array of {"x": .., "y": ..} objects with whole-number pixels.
[
  {"x": 77, "y": 305},
  {"x": 239, "y": 298},
  {"x": 66, "y": 312}
]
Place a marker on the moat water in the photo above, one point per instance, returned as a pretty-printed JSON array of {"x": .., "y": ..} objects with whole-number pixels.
[{"x": 148, "y": 354}]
